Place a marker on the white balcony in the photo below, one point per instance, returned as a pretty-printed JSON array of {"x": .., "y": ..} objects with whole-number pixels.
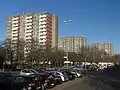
[
  {"x": 28, "y": 34},
  {"x": 28, "y": 17},
  {"x": 15, "y": 31},
  {"x": 14, "y": 22},
  {"x": 43, "y": 26},
  {"x": 42, "y": 22},
  {"x": 28, "y": 31},
  {"x": 16, "y": 18},
  {"x": 42, "y": 36},
  {"x": 41, "y": 30},
  {"x": 15, "y": 28},
  {"x": 28, "y": 20},
  {"x": 15, "y": 34},
  {"x": 28, "y": 24},
  {"x": 14, "y": 38},
  {"x": 15, "y": 25},
  {"x": 43, "y": 33},
  {"x": 28, "y": 27},
  {"x": 43, "y": 41},
  {"x": 43, "y": 19},
  {"x": 43, "y": 16}
]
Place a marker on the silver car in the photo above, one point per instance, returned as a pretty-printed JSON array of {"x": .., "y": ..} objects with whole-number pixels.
[{"x": 28, "y": 72}]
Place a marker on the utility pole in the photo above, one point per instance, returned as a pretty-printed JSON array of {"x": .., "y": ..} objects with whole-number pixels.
[
  {"x": 67, "y": 21},
  {"x": 67, "y": 60},
  {"x": 86, "y": 53},
  {"x": 86, "y": 61}
]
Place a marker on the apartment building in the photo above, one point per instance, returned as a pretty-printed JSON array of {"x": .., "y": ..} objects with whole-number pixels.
[
  {"x": 105, "y": 47},
  {"x": 72, "y": 44},
  {"x": 39, "y": 26}
]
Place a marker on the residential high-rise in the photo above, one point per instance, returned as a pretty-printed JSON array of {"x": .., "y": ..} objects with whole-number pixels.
[
  {"x": 106, "y": 47},
  {"x": 40, "y": 26},
  {"x": 72, "y": 44},
  {"x": 54, "y": 31}
]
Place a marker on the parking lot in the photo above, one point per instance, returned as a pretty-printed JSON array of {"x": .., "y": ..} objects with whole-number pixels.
[
  {"x": 39, "y": 79},
  {"x": 84, "y": 83},
  {"x": 68, "y": 85}
]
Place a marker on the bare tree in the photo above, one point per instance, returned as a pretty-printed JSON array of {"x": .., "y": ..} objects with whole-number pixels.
[
  {"x": 116, "y": 58},
  {"x": 54, "y": 56},
  {"x": 2, "y": 55}
]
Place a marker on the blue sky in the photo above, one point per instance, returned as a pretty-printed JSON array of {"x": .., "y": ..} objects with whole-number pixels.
[{"x": 98, "y": 20}]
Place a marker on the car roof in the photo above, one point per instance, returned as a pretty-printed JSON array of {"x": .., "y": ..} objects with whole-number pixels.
[
  {"x": 27, "y": 69},
  {"x": 24, "y": 76},
  {"x": 5, "y": 73}
]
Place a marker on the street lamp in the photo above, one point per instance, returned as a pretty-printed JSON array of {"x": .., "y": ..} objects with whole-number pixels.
[{"x": 67, "y": 21}]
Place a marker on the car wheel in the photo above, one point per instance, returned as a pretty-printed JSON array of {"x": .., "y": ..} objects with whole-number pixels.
[
  {"x": 52, "y": 85},
  {"x": 24, "y": 88},
  {"x": 43, "y": 87},
  {"x": 67, "y": 79}
]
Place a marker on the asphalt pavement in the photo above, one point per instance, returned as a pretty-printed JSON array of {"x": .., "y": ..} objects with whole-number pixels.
[
  {"x": 92, "y": 81},
  {"x": 84, "y": 83},
  {"x": 106, "y": 78}
]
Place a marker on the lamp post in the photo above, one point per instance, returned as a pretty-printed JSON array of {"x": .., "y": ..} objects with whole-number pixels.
[
  {"x": 3, "y": 66},
  {"x": 67, "y": 21},
  {"x": 67, "y": 60},
  {"x": 86, "y": 56}
]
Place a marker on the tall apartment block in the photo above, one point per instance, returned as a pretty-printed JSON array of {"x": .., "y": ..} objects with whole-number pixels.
[
  {"x": 72, "y": 44},
  {"x": 40, "y": 26},
  {"x": 105, "y": 47}
]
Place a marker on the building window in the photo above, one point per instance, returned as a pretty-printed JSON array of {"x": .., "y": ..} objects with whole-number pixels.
[
  {"x": 43, "y": 21},
  {"x": 42, "y": 31},
  {"x": 42, "y": 39},
  {"x": 43, "y": 17},
  {"x": 43, "y": 35},
  {"x": 43, "y": 28}
]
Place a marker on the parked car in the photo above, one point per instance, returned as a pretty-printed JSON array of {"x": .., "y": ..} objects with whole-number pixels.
[
  {"x": 70, "y": 75},
  {"x": 50, "y": 82},
  {"x": 60, "y": 74},
  {"x": 47, "y": 80},
  {"x": 28, "y": 72},
  {"x": 57, "y": 78},
  {"x": 41, "y": 70},
  {"x": 33, "y": 82},
  {"x": 10, "y": 82},
  {"x": 77, "y": 73},
  {"x": 44, "y": 79}
]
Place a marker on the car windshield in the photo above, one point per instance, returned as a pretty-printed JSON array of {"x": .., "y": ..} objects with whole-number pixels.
[
  {"x": 39, "y": 70},
  {"x": 33, "y": 71}
]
